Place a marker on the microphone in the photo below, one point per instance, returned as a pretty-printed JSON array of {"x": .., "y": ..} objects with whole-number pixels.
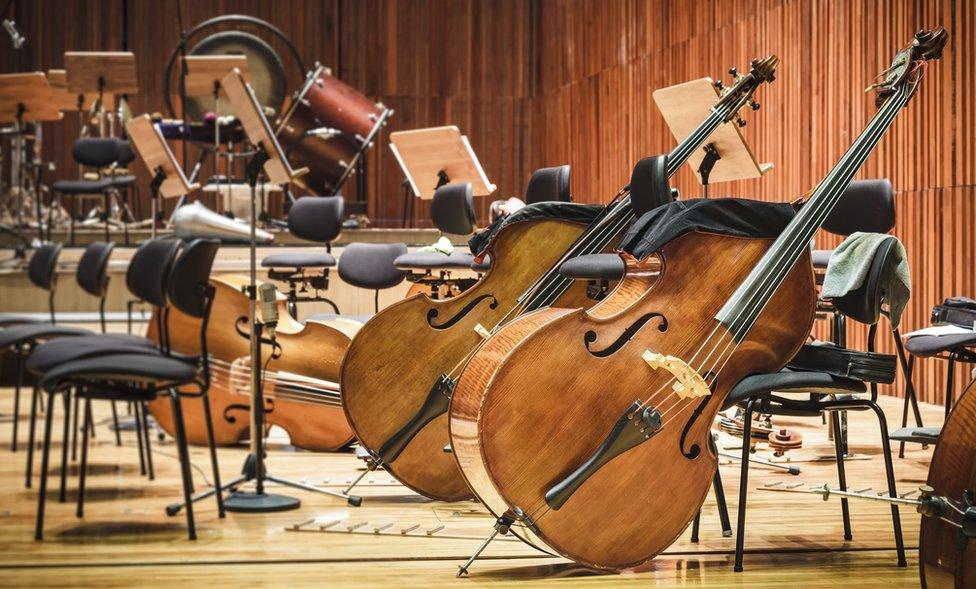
[
  {"x": 15, "y": 36},
  {"x": 323, "y": 132},
  {"x": 268, "y": 299}
]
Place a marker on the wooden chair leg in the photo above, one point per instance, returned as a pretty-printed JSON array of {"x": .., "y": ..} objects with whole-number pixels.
[{"x": 80, "y": 509}]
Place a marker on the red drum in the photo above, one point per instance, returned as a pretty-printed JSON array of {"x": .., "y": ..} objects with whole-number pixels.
[{"x": 325, "y": 102}]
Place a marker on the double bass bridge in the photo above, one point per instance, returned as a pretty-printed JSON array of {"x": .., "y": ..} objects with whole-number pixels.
[{"x": 688, "y": 384}]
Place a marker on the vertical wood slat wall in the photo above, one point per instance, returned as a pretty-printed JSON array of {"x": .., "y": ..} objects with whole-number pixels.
[{"x": 546, "y": 82}]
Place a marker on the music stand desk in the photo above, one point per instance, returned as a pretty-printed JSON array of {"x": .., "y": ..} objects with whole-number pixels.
[
  {"x": 205, "y": 72},
  {"x": 91, "y": 72},
  {"x": 156, "y": 154},
  {"x": 425, "y": 155},
  {"x": 27, "y": 98},
  {"x": 65, "y": 99},
  {"x": 683, "y": 107}
]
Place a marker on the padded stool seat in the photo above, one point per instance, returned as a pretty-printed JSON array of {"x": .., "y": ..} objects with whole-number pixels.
[
  {"x": 54, "y": 353},
  {"x": 20, "y": 334},
  {"x": 123, "y": 180},
  {"x": 82, "y": 186},
  {"x": 434, "y": 261},
  {"x": 299, "y": 260},
  {"x": 820, "y": 258},
  {"x": 160, "y": 370},
  {"x": 788, "y": 381},
  {"x": 918, "y": 435},
  {"x": 933, "y": 345},
  {"x": 593, "y": 267}
]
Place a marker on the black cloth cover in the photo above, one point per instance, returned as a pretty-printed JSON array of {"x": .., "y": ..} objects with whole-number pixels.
[
  {"x": 567, "y": 211},
  {"x": 726, "y": 216}
]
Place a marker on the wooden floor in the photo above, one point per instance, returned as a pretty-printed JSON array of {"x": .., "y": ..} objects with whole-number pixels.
[{"x": 125, "y": 538}]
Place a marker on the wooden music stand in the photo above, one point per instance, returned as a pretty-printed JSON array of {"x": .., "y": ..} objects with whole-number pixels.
[
  {"x": 168, "y": 181},
  {"x": 66, "y": 100},
  {"x": 683, "y": 107},
  {"x": 247, "y": 108},
  {"x": 436, "y": 156},
  {"x": 101, "y": 71},
  {"x": 26, "y": 98},
  {"x": 205, "y": 72}
]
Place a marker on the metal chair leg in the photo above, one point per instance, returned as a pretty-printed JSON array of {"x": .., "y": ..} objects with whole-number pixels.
[
  {"x": 115, "y": 424},
  {"x": 45, "y": 463},
  {"x": 695, "y": 524},
  {"x": 184, "y": 455},
  {"x": 80, "y": 509},
  {"x": 213, "y": 455},
  {"x": 892, "y": 490},
  {"x": 74, "y": 430},
  {"x": 35, "y": 400},
  {"x": 64, "y": 444},
  {"x": 743, "y": 486},
  {"x": 723, "y": 507},
  {"x": 20, "y": 380},
  {"x": 142, "y": 456},
  {"x": 841, "y": 474},
  {"x": 144, "y": 431}
]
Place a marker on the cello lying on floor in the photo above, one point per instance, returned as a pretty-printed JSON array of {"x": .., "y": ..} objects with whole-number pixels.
[
  {"x": 301, "y": 393},
  {"x": 544, "y": 421},
  {"x": 400, "y": 370}
]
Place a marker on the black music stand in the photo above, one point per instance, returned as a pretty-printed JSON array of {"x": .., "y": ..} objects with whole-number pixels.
[{"x": 269, "y": 158}]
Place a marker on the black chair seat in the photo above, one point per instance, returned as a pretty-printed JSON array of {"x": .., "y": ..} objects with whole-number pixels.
[
  {"x": 54, "y": 353},
  {"x": 820, "y": 258},
  {"x": 160, "y": 370},
  {"x": 918, "y": 435},
  {"x": 82, "y": 186},
  {"x": 593, "y": 267},
  {"x": 8, "y": 319},
  {"x": 434, "y": 261},
  {"x": 124, "y": 180},
  {"x": 933, "y": 345},
  {"x": 792, "y": 382},
  {"x": 21, "y": 334},
  {"x": 299, "y": 260},
  {"x": 483, "y": 265}
]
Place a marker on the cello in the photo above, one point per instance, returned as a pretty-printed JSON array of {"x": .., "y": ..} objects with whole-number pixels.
[
  {"x": 301, "y": 393},
  {"x": 400, "y": 370},
  {"x": 586, "y": 432}
]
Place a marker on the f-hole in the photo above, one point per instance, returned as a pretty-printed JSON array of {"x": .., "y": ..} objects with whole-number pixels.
[
  {"x": 590, "y": 336},
  {"x": 432, "y": 314}
]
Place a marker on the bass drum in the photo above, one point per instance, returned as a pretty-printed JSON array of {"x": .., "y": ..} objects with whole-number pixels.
[
  {"x": 326, "y": 159},
  {"x": 265, "y": 71}
]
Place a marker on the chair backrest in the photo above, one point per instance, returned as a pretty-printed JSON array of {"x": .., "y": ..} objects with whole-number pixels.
[
  {"x": 98, "y": 152},
  {"x": 866, "y": 205},
  {"x": 370, "y": 265},
  {"x": 316, "y": 218},
  {"x": 125, "y": 153},
  {"x": 149, "y": 270},
  {"x": 93, "y": 268},
  {"x": 864, "y": 303},
  {"x": 549, "y": 184},
  {"x": 452, "y": 208},
  {"x": 42, "y": 264},
  {"x": 190, "y": 276}
]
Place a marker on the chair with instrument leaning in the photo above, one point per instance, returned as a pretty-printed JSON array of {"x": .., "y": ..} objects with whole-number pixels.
[
  {"x": 147, "y": 278},
  {"x": 825, "y": 380},
  {"x": 317, "y": 219},
  {"x": 105, "y": 155},
  {"x": 140, "y": 377}
]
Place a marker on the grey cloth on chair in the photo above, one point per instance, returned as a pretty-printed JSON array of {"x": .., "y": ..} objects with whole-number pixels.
[{"x": 849, "y": 266}]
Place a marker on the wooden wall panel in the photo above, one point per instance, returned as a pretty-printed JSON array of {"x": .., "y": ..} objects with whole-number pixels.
[{"x": 546, "y": 82}]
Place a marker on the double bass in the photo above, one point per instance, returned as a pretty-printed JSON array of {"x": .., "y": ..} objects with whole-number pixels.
[
  {"x": 401, "y": 368},
  {"x": 301, "y": 394},
  {"x": 586, "y": 431}
]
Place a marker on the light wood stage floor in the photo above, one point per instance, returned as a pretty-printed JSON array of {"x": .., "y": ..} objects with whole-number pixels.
[{"x": 125, "y": 538}]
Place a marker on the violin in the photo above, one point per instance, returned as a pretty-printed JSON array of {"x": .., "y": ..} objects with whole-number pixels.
[
  {"x": 586, "y": 431},
  {"x": 401, "y": 368},
  {"x": 301, "y": 393}
]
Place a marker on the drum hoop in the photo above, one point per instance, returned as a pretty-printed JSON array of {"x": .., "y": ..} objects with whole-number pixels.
[{"x": 310, "y": 78}]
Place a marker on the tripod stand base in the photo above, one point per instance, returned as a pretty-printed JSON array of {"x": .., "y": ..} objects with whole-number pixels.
[{"x": 247, "y": 502}]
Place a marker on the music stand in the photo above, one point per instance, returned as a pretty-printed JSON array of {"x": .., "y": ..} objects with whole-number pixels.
[
  {"x": 101, "y": 73},
  {"x": 433, "y": 157},
  {"x": 25, "y": 98},
  {"x": 269, "y": 157},
  {"x": 726, "y": 156},
  {"x": 168, "y": 180}
]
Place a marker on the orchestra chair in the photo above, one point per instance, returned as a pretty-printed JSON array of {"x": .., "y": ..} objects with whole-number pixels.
[
  {"x": 140, "y": 378},
  {"x": 452, "y": 211},
  {"x": 781, "y": 393},
  {"x": 92, "y": 278},
  {"x": 372, "y": 266},
  {"x": 317, "y": 219},
  {"x": 42, "y": 273},
  {"x": 98, "y": 153},
  {"x": 147, "y": 278}
]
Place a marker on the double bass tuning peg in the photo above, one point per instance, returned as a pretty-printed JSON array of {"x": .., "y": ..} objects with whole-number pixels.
[
  {"x": 719, "y": 85},
  {"x": 733, "y": 72},
  {"x": 740, "y": 121},
  {"x": 753, "y": 105}
]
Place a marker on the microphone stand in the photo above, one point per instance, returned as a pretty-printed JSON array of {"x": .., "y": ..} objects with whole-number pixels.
[{"x": 258, "y": 501}]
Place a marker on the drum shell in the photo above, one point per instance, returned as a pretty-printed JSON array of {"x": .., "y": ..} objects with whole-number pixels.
[
  {"x": 336, "y": 104},
  {"x": 327, "y": 159}
]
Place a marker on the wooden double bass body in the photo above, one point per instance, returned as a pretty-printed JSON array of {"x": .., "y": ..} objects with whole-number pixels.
[
  {"x": 399, "y": 354},
  {"x": 538, "y": 399},
  {"x": 312, "y": 352}
]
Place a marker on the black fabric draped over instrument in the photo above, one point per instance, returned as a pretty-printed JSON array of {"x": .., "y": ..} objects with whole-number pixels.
[
  {"x": 566, "y": 211},
  {"x": 739, "y": 217}
]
